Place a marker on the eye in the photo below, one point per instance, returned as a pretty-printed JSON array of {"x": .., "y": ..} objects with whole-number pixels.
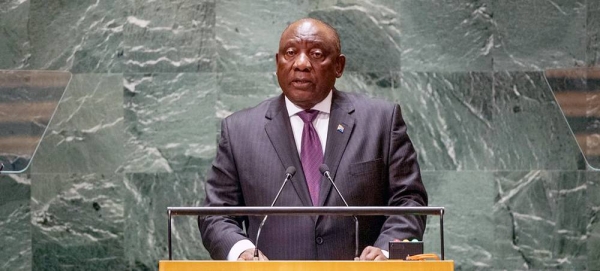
[
  {"x": 290, "y": 52},
  {"x": 316, "y": 54}
]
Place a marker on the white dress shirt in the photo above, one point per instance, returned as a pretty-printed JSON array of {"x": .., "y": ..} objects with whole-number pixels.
[{"x": 321, "y": 122}]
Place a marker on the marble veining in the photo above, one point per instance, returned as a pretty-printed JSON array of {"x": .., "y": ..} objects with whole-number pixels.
[
  {"x": 451, "y": 35},
  {"x": 468, "y": 198},
  {"x": 170, "y": 121},
  {"x": 541, "y": 219},
  {"x": 593, "y": 32},
  {"x": 247, "y": 41},
  {"x": 15, "y": 194},
  {"x": 14, "y": 43},
  {"x": 446, "y": 110},
  {"x": 238, "y": 91},
  {"x": 592, "y": 224},
  {"x": 170, "y": 36},
  {"x": 527, "y": 117},
  {"x": 153, "y": 79},
  {"x": 86, "y": 133},
  {"x": 81, "y": 36},
  {"x": 370, "y": 38},
  {"x": 77, "y": 221},
  {"x": 539, "y": 34},
  {"x": 147, "y": 197}
]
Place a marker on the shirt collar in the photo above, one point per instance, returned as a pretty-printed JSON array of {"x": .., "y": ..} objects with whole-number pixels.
[{"x": 323, "y": 106}]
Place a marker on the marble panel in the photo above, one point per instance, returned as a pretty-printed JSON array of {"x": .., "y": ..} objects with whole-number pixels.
[
  {"x": 529, "y": 129},
  {"x": 170, "y": 36},
  {"x": 468, "y": 199},
  {"x": 593, "y": 223},
  {"x": 534, "y": 35},
  {"x": 248, "y": 41},
  {"x": 247, "y": 32},
  {"x": 541, "y": 219},
  {"x": 451, "y": 118},
  {"x": 81, "y": 36},
  {"x": 86, "y": 134},
  {"x": 14, "y": 40},
  {"x": 379, "y": 85},
  {"x": 242, "y": 90},
  {"x": 593, "y": 33},
  {"x": 170, "y": 121},
  {"x": 77, "y": 222},
  {"x": 448, "y": 35},
  {"x": 369, "y": 32},
  {"x": 495, "y": 121},
  {"x": 146, "y": 200},
  {"x": 15, "y": 219}
]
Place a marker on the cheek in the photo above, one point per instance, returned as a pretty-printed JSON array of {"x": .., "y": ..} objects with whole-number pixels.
[{"x": 282, "y": 72}]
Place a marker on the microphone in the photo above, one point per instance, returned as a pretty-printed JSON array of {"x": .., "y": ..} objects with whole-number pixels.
[
  {"x": 289, "y": 173},
  {"x": 324, "y": 169}
]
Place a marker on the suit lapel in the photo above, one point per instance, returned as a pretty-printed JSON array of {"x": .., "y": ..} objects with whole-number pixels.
[
  {"x": 341, "y": 125},
  {"x": 280, "y": 134}
]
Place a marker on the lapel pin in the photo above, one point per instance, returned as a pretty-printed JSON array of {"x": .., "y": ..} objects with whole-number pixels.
[{"x": 340, "y": 128}]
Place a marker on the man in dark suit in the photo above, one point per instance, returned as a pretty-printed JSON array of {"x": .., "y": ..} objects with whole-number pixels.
[{"x": 363, "y": 141}]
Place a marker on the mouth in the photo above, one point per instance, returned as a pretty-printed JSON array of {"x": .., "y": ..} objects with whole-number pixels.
[{"x": 301, "y": 83}]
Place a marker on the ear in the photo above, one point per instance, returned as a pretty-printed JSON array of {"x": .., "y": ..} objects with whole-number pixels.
[
  {"x": 340, "y": 64},
  {"x": 276, "y": 58}
]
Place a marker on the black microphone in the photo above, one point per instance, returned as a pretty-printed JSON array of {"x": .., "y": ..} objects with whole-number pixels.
[
  {"x": 325, "y": 171},
  {"x": 289, "y": 173}
]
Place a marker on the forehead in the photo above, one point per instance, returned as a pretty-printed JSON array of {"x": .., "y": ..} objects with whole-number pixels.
[{"x": 307, "y": 31}]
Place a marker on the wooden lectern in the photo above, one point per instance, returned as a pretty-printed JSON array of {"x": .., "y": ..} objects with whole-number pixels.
[
  {"x": 306, "y": 266},
  {"x": 391, "y": 265}
]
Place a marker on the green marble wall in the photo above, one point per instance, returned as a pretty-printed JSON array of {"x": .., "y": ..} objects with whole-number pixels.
[{"x": 137, "y": 128}]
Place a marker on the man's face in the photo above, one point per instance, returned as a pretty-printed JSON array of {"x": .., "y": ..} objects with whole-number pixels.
[{"x": 308, "y": 62}]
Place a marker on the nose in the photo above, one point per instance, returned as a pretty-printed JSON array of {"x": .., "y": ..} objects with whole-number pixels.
[{"x": 302, "y": 63}]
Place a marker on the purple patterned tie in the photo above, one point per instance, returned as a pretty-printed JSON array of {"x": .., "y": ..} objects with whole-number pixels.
[{"x": 311, "y": 154}]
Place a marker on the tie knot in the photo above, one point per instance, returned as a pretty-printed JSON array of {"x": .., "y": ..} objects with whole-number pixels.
[{"x": 308, "y": 115}]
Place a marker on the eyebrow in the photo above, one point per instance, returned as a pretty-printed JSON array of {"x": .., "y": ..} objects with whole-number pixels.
[{"x": 316, "y": 43}]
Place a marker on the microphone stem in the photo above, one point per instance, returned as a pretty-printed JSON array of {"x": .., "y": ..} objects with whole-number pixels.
[
  {"x": 355, "y": 219},
  {"x": 287, "y": 177},
  {"x": 336, "y": 189},
  {"x": 258, "y": 234},
  {"x": 356, "y": 255}
]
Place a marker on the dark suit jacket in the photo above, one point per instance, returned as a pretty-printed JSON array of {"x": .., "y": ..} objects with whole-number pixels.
[{"x": 372, "y": 162}]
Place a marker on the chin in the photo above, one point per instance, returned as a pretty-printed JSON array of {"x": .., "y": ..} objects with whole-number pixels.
[{"x": 301, "y": 95}]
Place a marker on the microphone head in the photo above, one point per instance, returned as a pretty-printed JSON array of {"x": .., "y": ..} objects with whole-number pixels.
[
  {"x": 323, "y": 168},
  {"x": 291, "y": 171}
]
